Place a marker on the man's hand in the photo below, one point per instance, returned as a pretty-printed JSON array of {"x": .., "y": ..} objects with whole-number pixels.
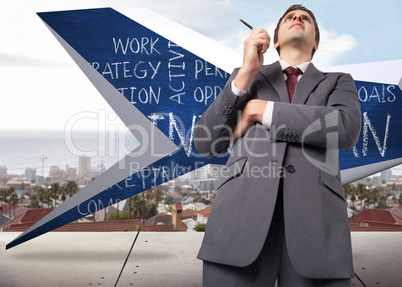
[
  {"x": 252, "y": 112},
  {"x": 253, "y": 58}
]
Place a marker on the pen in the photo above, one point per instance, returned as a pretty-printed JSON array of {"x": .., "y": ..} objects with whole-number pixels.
[{"x": 247, "y": 24}]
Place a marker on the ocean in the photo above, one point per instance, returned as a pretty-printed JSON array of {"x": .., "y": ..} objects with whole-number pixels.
[{"x": 20, "y": 149}]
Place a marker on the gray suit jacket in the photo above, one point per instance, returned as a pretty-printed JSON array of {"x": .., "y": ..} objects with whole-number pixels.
[{"x": 301, "y": 146}]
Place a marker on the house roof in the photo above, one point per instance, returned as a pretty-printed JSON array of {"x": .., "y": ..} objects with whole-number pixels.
[
  {"x": 205, "y": 212},
  {"x": 187, "y": 213},
  {"x": 17, "y": 208},
  {"x": 34, "y": 215},
  {"x": 4, "y": 219},
  {"x": 159, "y": 219},
  {"x": 178, "y": 206},
  {"x": 188, "y": 200},
  {"x": 28, "y": 217},
  {"x": 397, "y": 211},
  {"x": 31, "y": 216},
  {"x": 377, "y": 218}
]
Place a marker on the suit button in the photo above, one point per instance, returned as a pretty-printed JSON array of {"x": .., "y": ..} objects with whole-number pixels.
[
  {"x": 287, "y": 137},
  {"x": 282, "y": 136},
  {"x": 297, "y": 138},
  {"x": 290, "y": 168},
  {"x": 291, "y": 137}
]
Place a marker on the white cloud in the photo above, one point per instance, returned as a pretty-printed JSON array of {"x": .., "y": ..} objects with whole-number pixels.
[
  {"x": 10, "y": 60},
  {"x": 27, "y": 42},
  {"x": 211, "y": 18},
  {"x": 332, "y": 45},
  {"x": 23, "y": 34}
]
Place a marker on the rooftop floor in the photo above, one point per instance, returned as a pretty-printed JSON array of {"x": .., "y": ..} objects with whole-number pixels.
[{"x": 158, "y": 259}]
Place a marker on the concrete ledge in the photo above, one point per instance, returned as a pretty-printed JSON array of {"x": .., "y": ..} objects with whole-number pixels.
[{"x": 158, "y": 259}]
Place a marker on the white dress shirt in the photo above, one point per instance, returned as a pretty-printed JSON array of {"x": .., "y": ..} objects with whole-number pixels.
[{"x": 267, "y": 116}]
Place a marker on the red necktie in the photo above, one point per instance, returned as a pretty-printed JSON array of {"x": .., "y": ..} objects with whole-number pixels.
[{"x": 291, "y": 81}]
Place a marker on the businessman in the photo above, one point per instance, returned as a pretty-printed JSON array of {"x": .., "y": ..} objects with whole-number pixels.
[{"x": 280, "y": 213}]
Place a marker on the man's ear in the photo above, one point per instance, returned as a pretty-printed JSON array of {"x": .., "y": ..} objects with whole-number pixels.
[
  {"x": 276, "y": 45},
  {"x": 315, "y": 47}
]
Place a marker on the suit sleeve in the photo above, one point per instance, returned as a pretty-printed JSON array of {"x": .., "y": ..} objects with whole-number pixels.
[
  {"x": 213, "y": 131},
  {"x": 336, "y": 125}
]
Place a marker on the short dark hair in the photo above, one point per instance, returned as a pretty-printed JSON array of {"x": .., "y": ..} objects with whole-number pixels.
[{"x": 302, "y": 8}]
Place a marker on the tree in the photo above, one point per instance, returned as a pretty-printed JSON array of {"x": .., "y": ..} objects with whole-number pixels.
[
  {"x": 55, "y": 192},
  {"x": 200, "y": 227},
  {"x": 2, "y": 198},
  {"x": 157, "y": 195},
  {"x": 130, "y": 208},
  {"x": 122, "y": 216},
  {"x": 137, "y": 206},
  {"x": 375, "y": 194},
  {"x": 347, "y": 190},
  {"x": 48, "y": 197},
  {"x": 169, "y": 199},
  {"x": 151, "y": 210},
  {"x": 382, "y": 204},
  {"x": 63, "y": 193},
  {"x": 207, "y": 202},
  {"x": 369, "y": 197},
  {"x": 34, "y": 203},
  {"x": 353, "y": 197},
  {"x": 41, "y": 195},
  {"x": 148, "y": 194},
  {"x": 71, "y": 188},
  {"x": 13, "y": 200},
  {"x": 361, "y": 191},
  {"x": 169, "y": 208},
  {"x": 9, "y": 191},
  {"x": 178, "y": 190},
  {"x": 141, "y": 209}
]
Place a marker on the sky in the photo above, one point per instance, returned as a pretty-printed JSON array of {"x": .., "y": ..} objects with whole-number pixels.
[{"x": 42, "y": 88}]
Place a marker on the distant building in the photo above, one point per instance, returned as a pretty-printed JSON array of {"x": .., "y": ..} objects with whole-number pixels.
[
  {"x": 96, "y": 171},
  {"x": 177, "y": 218},
  {"x": 197, "y": 218},
  {"x": 206, "y": 178},
  {"x": 30, "y": 174},
  {"x": 3, "y": 170},
  {"x": 19, "y": 184},
  {"x": 202, "y": 215},
  {"x": 394, "y": 186},
  {"x": 365, "y": 181},
  {"x": 84, "y": 166},
  {"x": 56, "y": 174},
  {"x": 71, "y": 171},
  {"x": 386, "y": 175},
  {"x": 376, "y": 180},
  {"x": 53, "y": 170}
]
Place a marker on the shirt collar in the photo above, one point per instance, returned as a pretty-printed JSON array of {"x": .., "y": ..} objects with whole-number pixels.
[{"x": 303, "y": 67}]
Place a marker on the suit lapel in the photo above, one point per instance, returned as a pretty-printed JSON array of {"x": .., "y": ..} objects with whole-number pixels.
[
  {"x": 311, "y": 78},
  {"x": 273, "y": 74}
]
